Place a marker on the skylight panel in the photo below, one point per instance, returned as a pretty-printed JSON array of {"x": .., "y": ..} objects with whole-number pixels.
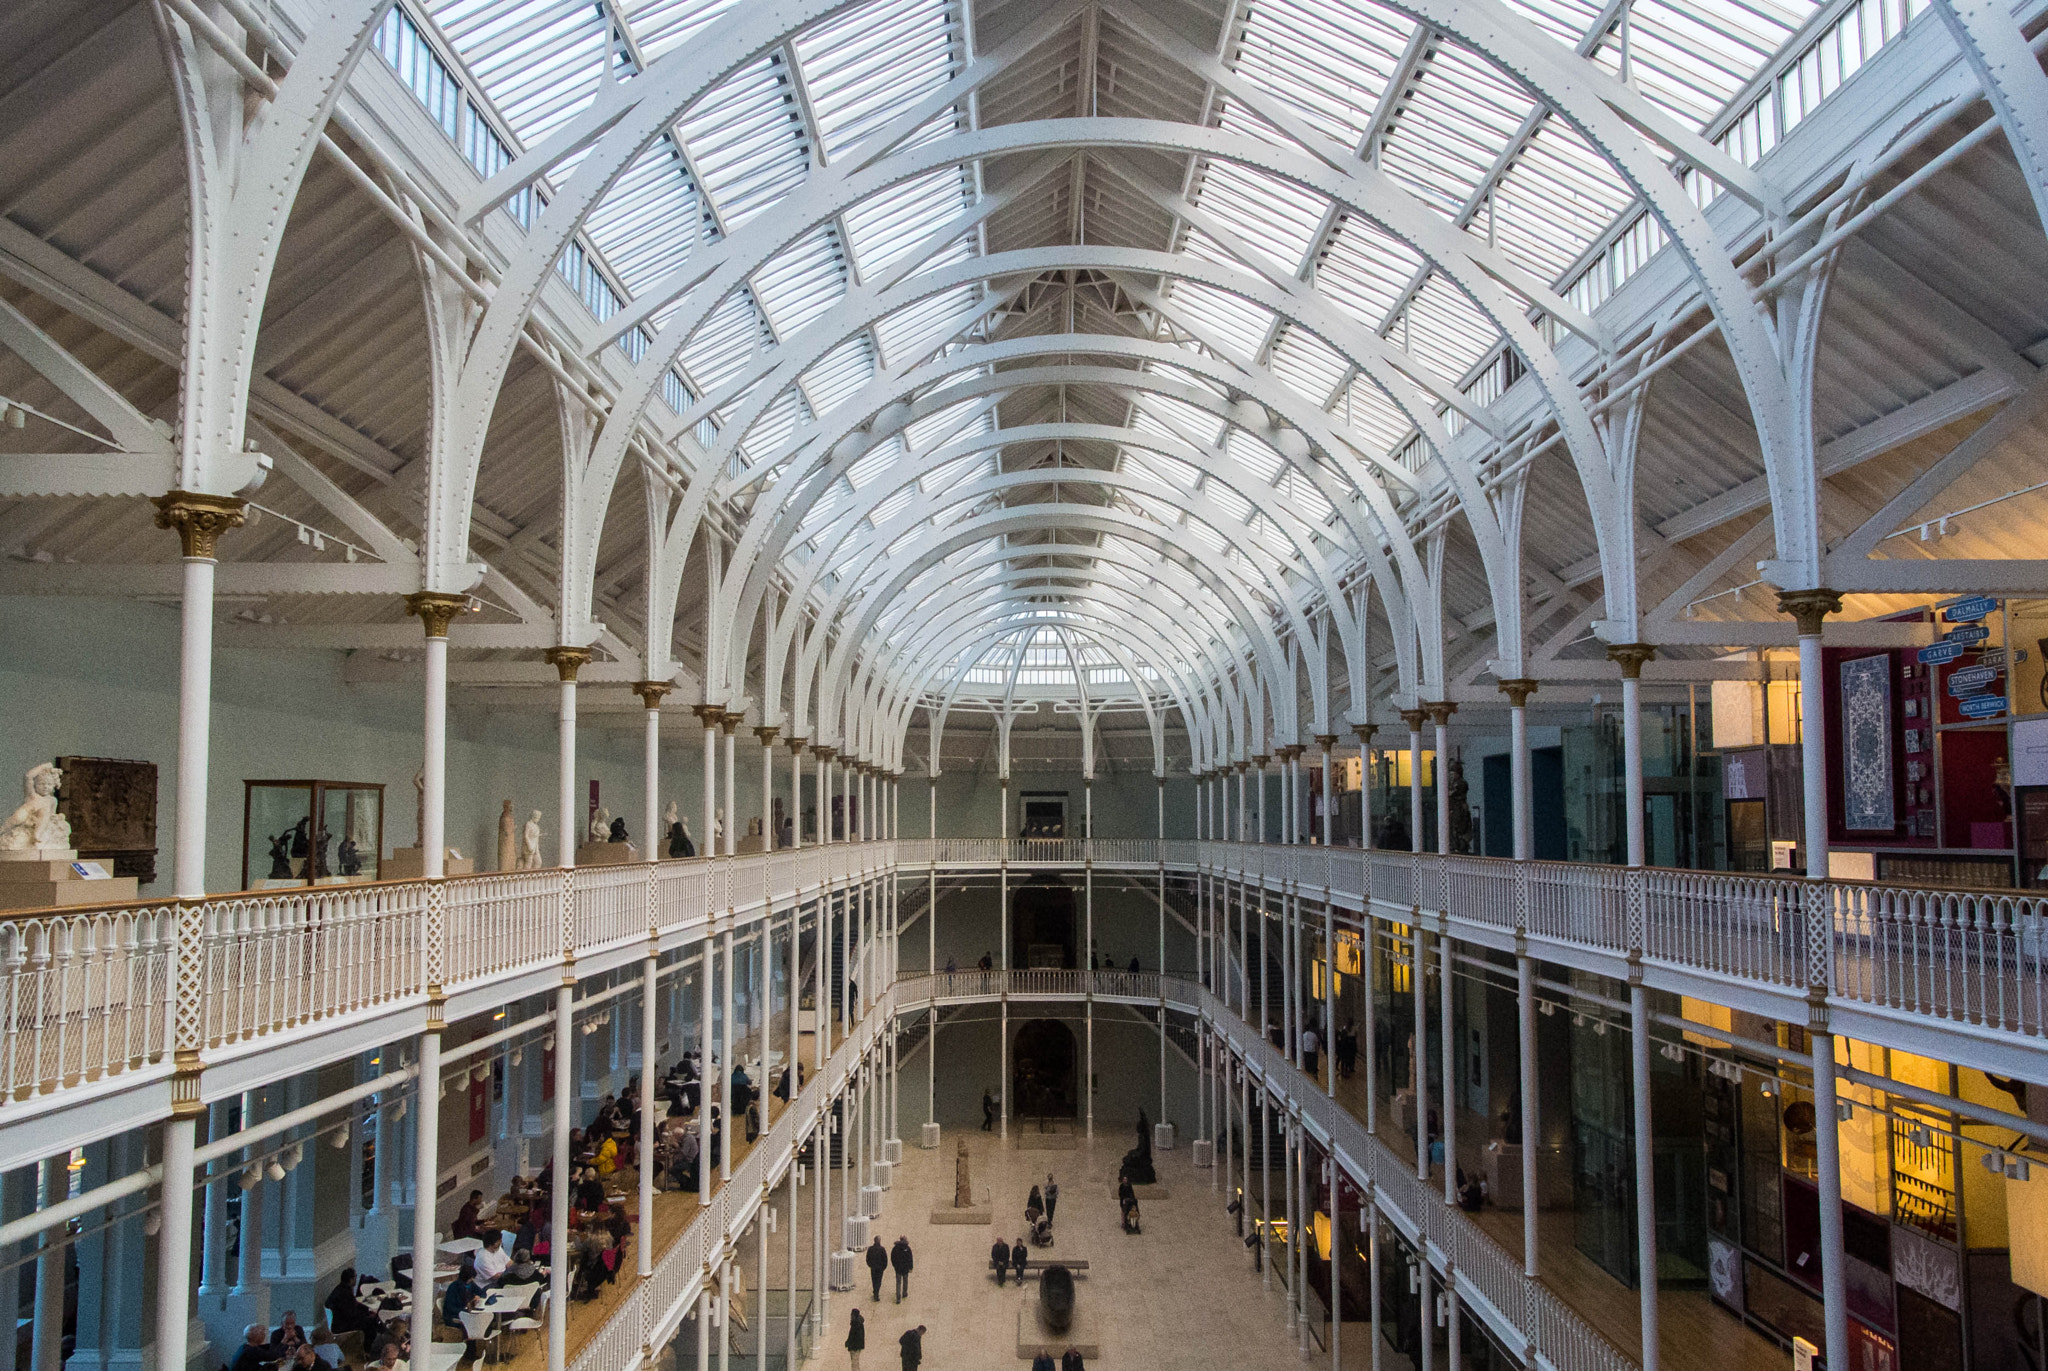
[
  {"x": 965, "y": 468},
  {"x": 1692, "y": 58},
  {"x": 1308, "y": 365},
  {"x": 1329, "y": 60},
  {"x": 651, "y": 219},
  {"x": 1564, "y": 20},
  {"x": 1448, "y": 333},
  {"x": 1274, "y": 216},
  {"x": 948, "y": 423},
  {"x": 839, "y": 374},
  {"x": 874, "y": 462},
  {"x": 1378, "y": 422},
  {"x": 725, "y": 343},
  {"x": 662, "y": 25},
  {"x": 1224, "y": 321},
  {"x": 884, "y": 227},
  {"x": 1461, "y": 115},
  {"x": 1253, "y": 455},
  {"x": 1556, "y": 200},
  {"x": 1365, "y": 271},
  {"x": 538, "y": 60},
  {"x": 802, "y": 281},
  {"x": 893, "y": 505},
  {"x": 1300, "y": 494},
  {"x": 747, "y": 142},
  {"x": 867, "y": 68},
  {"x": 1165, "y": 415},
  {"x": 919, "y": 328},
  {"x": 778, "y": 421}
]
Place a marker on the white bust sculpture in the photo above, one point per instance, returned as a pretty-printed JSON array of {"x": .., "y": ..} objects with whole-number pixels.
[
  {"x": 668, "y": 816},
  {"x": 35, "y": 831},
  {"x": 529, "y": 850},
  {"x": 718, "y": 824},
  {"x": 601, "y": 825}
]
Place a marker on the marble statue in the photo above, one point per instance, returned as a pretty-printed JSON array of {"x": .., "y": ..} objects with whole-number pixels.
[
  {"x": 529, "y": 850},
  {"x": 754, "y": 827},
  {"x": 35, "y": 831},
  {"x": 601, "y": 825},
  {"x": 350, "y": 857},
  {"x": 963, "y": 1190},
  {"x": 718, "y": 829},
  {"x": 508, "y": 842}
]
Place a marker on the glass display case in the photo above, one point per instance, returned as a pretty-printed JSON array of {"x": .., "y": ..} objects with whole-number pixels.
[{"x": 311, "y": 833}]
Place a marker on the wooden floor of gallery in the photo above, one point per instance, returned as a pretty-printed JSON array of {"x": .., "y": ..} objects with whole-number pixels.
[
  {"x": 673, "y": 1212},
  {"x": 1694, "y": 1334}
]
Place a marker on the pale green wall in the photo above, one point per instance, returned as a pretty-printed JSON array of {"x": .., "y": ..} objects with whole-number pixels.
[{"x": 100, "y": 678}]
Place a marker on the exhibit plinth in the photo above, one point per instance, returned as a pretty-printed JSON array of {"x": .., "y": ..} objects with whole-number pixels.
[
  {"x": 976, "y": 1214},
  {"x": 1084, "y": 1334},
  {"x": 409, "y": 864},
  {"x": 31, "y": 882},
  {"x": 606, "y": 854}
]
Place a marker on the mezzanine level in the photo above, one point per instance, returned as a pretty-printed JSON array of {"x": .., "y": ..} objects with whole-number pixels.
[{"x": 324, "y": 972}]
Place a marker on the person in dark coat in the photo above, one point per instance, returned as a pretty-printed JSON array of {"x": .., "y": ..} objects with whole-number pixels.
[
  {"x": 1018, "y": 1256},
  {"x": 1043, "y": 1361},
  {"x": 856, "y": 1339},
  {"x": 988, "y": 1112},
  {"x": 346, "y": 1313},
  {"x": 900, "y": 1261},
  {"x": 1072, "y": 1360},
  {"x": 878, "y": 1262},
  {"x": 913, "y": 1348},
  {"x": 999, "y": 1258},
  {"x": 1052, "y": 1196}
]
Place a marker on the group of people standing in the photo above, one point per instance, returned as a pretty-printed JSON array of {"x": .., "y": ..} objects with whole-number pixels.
[{"x": 881, "y": 1260}]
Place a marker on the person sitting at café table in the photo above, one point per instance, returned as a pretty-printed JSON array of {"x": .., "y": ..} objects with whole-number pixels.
[
  {"x": 469, "y": 1223},
  {"x": 524, "y": 1270},
  {"x": 589, "y": 1194},
  {"x": 388, "y": 1358},
  {"x": 346, "y": 1313},
  {"x": 607, "y": 1158},
  {"x": 305, "y": 1357},
  {"x": 463, "y": 1294},
  {"x": 288, "y": 1337},
  {"x": 325, "y": 1347},
  {"x": 255, "y": 1352},
  {"x": 492, "y": 1260}
]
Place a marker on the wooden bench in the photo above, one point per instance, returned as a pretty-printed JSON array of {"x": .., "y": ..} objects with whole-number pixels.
[{"x": 1039, "y": 1264}]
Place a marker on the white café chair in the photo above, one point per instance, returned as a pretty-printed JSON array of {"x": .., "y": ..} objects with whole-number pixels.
[
  {"x": 479, "y": 1325},
  {"x": 534, "y": 1322}
]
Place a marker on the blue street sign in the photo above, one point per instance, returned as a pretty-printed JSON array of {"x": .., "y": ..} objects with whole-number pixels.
[
  {"x": 1971, "y": 680},
  {"x": 1967, "y": 635},
  {"x": 1940, "y": 653},
  {"x": 1969, "y": 611},
  {"x": 1982, "y": 706}
]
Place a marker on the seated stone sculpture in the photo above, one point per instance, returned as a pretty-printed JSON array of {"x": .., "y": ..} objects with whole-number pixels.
[{"x": 1137, "y": 1163}]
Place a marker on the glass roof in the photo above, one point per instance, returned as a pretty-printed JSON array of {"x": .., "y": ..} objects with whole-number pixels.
[{"x": 1459, "y": 136}]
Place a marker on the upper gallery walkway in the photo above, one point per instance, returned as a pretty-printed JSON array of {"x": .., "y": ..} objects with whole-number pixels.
[
  {"x": 326, "y": 971},
  {"x": 1953, "y": 974},
  {"x": 268, "y": 983}
]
